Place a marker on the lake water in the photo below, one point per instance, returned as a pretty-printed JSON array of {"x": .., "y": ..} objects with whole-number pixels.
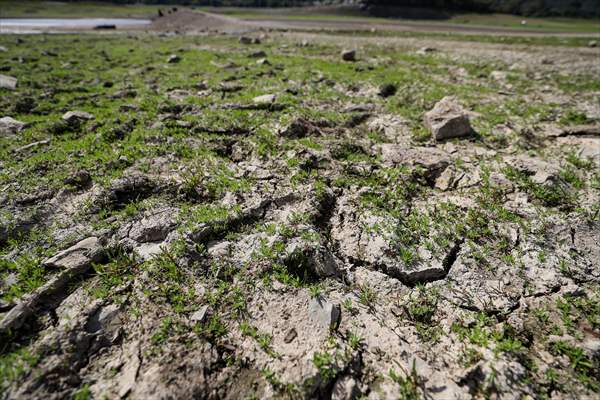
[{"x": 11, "y": 23}]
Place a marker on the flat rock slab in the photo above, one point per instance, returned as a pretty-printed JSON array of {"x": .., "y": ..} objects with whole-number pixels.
[
  {"x": 74, "y": 261},
  {"x": 324, "y": 313},
  {"x": 77, "y": 116},
  {"x": 82, "y": 254}
]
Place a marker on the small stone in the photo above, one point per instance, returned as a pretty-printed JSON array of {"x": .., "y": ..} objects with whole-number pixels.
[
  {"x": 265, "y": 99},
  {"x": 349, "y": 55},
  {"x": 592, "y": 43},
  {"x": 263, "y": 61},
  {"x": 387, "y": 90},
  {"x": 173, "y": 58},
  {"x": 324, "y": 313},
  {"x": 290, "y": 335},
  {"x": 8, "y": 82},
  {"x": 200, "y": 315},
  {"x": 447, "y": 120},
  {"x": 73, "y": 117},
  {"x": 3, "y": 49},
  {"x": 10, "y": 126},
  {"x": 249, "y": 40}
]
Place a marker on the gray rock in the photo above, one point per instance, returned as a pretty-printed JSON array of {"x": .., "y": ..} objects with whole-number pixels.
[
  {"x": 3, "y": 49},
  {"x": 290, "y": 336},
  {"x": 539, "y": 170},
  {"x": 81, "y": 254},
  {"x": 433, "y": 160},
  {"x": 10, "y": 126},
  {"x": 314, "y": 257},
  {"x": 265, "y": 99},
  {"x": 348, "y": 55},
  {"x": 324, "y": 313},
  {"x": 448, "y": 120},
  {"x": 153, "y": 228},
  {"x": 74, "y": 117},
  {"x": 8, "y": 82},
  {"x": 592, "y": 43},
  {"x": 106, "y": 320},
  {"x": 75, "y": 261},
  {"x": 200, "y": 315}
]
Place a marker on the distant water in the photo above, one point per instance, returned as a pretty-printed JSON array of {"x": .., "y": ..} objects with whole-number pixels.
[{"x": 10, "y": 23}]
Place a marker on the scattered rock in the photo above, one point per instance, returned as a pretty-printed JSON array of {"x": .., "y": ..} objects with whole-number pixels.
[
  {"x": 10, "y": 126},
  {"x": 324, "y": 313},
  {"x": 265, "y": 99},
  {"x": 76, "y": 117},
  {"x": 201, "y": 315},
  {"x": 290, "y": 336},
  {"x": 348, "y": 55},
  {"x": 82, "y": 254},
  {"x": 592, "y": 43},
  {"x": 8, "y": 82},
  {"x": 448, "y": 120},
  {"x": 74, "y": 262}
]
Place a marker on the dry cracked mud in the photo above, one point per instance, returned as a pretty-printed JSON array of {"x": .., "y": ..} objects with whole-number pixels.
[{"x": 210, "y": 226}]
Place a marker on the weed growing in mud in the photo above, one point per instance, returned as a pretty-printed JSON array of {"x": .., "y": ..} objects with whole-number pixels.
[
  {"x": 587, "y": 369},
  {"x": 324, "y": 362},
  {"x": 409, "y": 383},
  {"x": 14, "y": 364}
]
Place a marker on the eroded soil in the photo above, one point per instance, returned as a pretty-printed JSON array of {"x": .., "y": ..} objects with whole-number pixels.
[{"x": 261, "y": 219}]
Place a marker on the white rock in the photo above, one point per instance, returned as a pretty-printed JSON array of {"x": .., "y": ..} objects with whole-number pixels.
[
  {"x": 76, "y": 116},
  {"x": 10, "y": 126},
  {"x": 264, "y": 99},
  {"x": 8, "y": 82}
]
